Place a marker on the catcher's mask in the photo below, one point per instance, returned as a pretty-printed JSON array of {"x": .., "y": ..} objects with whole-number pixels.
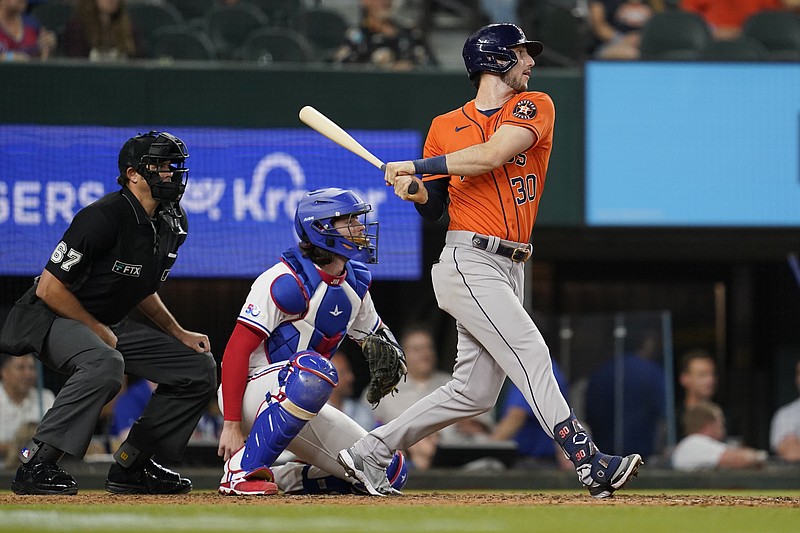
[
  {"x": 153, "y": 154},
  {"x": 314, "y": 223}
]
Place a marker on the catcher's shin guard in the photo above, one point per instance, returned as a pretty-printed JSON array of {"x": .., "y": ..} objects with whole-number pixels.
[{"x": 306, "y": 384}]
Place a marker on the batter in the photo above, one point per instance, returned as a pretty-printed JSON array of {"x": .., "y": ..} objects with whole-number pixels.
[{"x": 486, "y": 163}]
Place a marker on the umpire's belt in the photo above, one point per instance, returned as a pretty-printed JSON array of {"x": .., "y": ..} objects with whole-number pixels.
[{"x": 516, "y": 251}]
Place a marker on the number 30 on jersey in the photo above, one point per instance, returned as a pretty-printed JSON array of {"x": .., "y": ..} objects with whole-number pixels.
[{"x": 524, "y": 188}]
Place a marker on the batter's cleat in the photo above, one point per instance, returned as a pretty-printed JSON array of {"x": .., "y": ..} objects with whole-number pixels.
[
  {"x": 43, "y": 477},
  {"x": 605, "y": 474},
  {"x": 373, "y": 477},
  {"x": 259, "y": 482},
  {"x": 151, "y": 478}
]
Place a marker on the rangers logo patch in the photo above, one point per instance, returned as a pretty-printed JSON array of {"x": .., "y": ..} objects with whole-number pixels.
[{"x": 525, "y": 109}]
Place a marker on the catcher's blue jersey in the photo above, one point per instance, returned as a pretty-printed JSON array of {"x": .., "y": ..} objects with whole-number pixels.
[{"x": 300, "y": 307}]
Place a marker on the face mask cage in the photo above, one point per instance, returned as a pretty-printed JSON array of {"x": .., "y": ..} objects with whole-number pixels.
[
  {"x": 346, "y": 240},
  {"x": 152, "y": 168}
]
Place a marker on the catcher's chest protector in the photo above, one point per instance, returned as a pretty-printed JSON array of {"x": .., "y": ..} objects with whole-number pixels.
[{"x": 330, "y": 310}]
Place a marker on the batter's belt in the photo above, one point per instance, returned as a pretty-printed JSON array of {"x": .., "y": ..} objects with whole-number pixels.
[{"x": 516, "y": 251}]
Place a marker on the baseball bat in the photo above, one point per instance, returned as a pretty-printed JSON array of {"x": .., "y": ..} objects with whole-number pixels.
[{"x": 325, "y": 126}]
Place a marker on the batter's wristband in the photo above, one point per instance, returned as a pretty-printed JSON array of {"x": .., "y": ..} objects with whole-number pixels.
[{"x": 431, "y": 165}]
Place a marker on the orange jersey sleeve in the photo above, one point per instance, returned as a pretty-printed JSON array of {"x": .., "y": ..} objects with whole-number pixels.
[{"x": 504, "y": 202}]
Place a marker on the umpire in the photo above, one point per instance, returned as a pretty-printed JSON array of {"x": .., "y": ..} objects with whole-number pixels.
[{"x": 115, "y": 255}]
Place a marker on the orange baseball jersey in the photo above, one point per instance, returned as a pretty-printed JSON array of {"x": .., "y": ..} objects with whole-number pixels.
[{"x": 504, "y": 202}]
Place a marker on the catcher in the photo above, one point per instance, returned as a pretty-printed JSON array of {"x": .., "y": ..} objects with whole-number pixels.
[{"x": 276, "y": 373}]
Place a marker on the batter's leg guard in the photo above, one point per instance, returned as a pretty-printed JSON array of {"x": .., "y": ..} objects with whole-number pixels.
[
  {"x": 602, "y": 474},
  {"x": 574, "y": 440},
  {"x": 306, "y": 384}
]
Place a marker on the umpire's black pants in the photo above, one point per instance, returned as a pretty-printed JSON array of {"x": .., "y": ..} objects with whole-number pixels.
[{"x": 186, "y": 383}]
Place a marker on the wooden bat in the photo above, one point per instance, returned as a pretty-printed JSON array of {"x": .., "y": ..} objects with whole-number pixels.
[{"x": 325, "y": 126}]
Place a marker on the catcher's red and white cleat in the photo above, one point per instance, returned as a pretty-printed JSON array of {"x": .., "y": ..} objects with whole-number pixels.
[{"x": 259, "y": 482}]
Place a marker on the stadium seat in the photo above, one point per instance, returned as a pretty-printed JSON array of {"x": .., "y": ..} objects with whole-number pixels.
[
  {"x": 778, "y": 31},
  {"x": 53, "y": 15},
  {"x": 230, "y": 25},
  {"x": 563, "y": 33},
  {"x": 674, "y": 35},
  {"x": 181, "y": 43},
  {"x": 325, "y": 30},
  {"x": 282, "y": 13},
  {"x": 149, "y": 16},
  {"x": 194, "y": 9},
  {"x": 741, "y": 49},
  {"x": 276, "y": 45}
]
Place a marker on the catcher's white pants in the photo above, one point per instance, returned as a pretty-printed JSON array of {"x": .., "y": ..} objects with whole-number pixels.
[
  {"x": 496, "y": 337},
  {"x": 318, "y": 443}
]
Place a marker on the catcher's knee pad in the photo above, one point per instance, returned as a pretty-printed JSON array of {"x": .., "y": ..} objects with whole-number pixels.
[
  {"x": 306, "y": 382},
  {"x": 397, "y": 471}
]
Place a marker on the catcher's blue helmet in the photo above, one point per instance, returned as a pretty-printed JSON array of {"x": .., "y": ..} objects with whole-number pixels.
[
  {"x": 314, "y": 218},
  {"x": 488, "y": 48}
]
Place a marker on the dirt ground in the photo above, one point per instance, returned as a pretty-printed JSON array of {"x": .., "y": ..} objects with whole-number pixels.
[{"x": 428, "y": 498}]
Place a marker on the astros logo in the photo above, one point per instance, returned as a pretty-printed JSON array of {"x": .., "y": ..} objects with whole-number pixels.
[{"x": 525, "y": 109}]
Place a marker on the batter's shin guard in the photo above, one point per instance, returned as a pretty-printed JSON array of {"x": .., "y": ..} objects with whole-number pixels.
[
  {"x": 306, "y": 384},
  {"x": 574, "y": 440}
]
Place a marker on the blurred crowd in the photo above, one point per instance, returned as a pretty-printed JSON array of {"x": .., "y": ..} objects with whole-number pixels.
[
  {"x": 507, "y": 436},
  {"x": 395, "y": 34}
]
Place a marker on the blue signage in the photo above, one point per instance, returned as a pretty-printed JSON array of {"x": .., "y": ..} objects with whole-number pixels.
[
  {"x": 693, "y": 144},
  {"x": 241, "y": 196}
]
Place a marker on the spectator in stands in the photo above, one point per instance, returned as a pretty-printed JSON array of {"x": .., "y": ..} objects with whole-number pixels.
[
  {"x": 704, "y": 447},
  {"x": 342, "y": 396},
  {"x": 21, "y": 37},
  {"x": 382, "y": 41},
  {"x": 422, "y": 379},
  {"x": 128, "y": 407},
  {"x": 643, "y": 398},
  {"x": 698, "y": 378},
  {"x": 20, "y": 400},
  {"x": 727, "y": 17},
  {"x": 130, "y": 403},
  {"x": 784, "y": 433},
  {"x": 101, "y": 30},
  {"x": 617, "y": 25},
  {"x": 792, "y": 5},
  {"x": 518, "y": 423}
]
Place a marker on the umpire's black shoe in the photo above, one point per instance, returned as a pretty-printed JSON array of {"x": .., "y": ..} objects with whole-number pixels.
[
  {"x": 152, "y": 478},
  {"x": 43, "y": 477}
]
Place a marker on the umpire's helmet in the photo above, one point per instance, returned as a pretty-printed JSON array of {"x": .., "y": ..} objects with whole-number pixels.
[
  {"x": 488, "y": 49},
  {"x": 156, "y": 148},
  {"x": 316, "y": 213}
]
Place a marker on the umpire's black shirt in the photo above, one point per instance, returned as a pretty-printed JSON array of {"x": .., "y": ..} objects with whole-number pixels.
[{"x": 113, "y": 255}]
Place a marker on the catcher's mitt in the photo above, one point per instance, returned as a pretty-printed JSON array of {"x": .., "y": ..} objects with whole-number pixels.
[{"x": 387, "y": 364}]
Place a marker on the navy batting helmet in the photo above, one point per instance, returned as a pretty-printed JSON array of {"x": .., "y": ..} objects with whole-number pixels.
[
  {"x": 488, "y": 49},
  {"x": 316, "y": 213}
]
